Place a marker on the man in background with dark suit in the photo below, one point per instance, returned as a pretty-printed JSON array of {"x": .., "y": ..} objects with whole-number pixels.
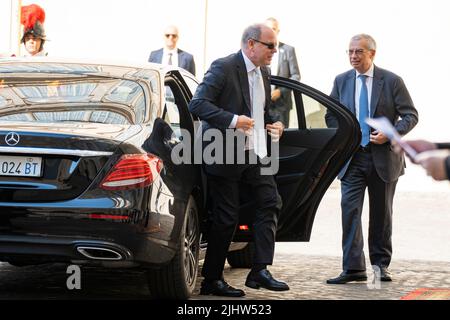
[
  {"x": 284, "y": 64},
  {"x": 170, "y": 54},
  {"x": 369, "y": 91},
  {"x": 234, "y": 96}
]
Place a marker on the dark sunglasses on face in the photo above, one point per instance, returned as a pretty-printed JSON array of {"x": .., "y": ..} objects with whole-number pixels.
[
  {"x": 269, "y": 46},
  {"x": 171, "y": 35}
]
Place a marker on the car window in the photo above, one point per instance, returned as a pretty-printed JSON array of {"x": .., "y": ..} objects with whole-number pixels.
[
  {"x": 139, "y": 107},
  {"x": 83, "y": 99},
  {"x": 176, "y": 112},
  {"x": 171, "y": 113},
  {"x": 314, "y": 113},
  {"x": 284, "y": 108},
  {"x": 99, "y": 116},
  {"x": 56, "y": 92},
  {"x": 298, "y": 110},
  {"x": 3, "y": 102},
  {"x": 153, "y": 80},
  {"x": 191, "y": 83}
]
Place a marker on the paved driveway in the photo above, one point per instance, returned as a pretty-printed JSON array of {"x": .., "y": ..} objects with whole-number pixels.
[{"x": 421, "y": 260}]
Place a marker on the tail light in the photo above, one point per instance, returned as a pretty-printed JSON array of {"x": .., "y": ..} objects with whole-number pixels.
[
  {"x": 244, "y": 227},
  {"x": 133, "y": 171}
]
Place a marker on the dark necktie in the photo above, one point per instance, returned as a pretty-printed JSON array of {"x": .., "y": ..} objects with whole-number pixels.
[
  {"x": 364, "y": 111},
  {"x": 170, "y": 59}
]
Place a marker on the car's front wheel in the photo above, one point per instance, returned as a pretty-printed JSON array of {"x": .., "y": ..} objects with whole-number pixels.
[{"x": 177, "y": 280}]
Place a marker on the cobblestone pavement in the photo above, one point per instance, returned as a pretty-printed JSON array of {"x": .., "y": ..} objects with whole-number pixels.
[
  {"x": 307, "y": 275},
  {"x": 421, "y": 260}
]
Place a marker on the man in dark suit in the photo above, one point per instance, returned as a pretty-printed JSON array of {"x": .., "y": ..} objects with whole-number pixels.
[
  {"x": 234, "y": 96},
  {"x": 170, "y": 54},
  {"x": 369, "y": 91},
  {"x": 284, "y": 65}
]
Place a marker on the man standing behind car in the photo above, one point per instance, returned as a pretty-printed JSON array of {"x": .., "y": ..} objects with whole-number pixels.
[
  {"x": 369, "y": 91},
  {"x": 235, "y": 95},
  {"x": 170, "y": 54},
  {"x": 284, "y": 65}
]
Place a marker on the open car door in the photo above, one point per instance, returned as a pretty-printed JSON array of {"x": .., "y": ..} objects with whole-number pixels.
[{"x": 311, "y": 154}]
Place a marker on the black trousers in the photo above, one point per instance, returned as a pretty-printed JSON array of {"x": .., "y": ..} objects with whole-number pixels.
[
  {"x": 361, "y": 174},
  {"x": 225, "y": 204}
]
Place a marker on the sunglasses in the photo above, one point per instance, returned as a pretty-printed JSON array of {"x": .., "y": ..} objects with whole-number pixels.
[
  {"x": 168, "y": 35},
  {"x": 269, "y": 46}
]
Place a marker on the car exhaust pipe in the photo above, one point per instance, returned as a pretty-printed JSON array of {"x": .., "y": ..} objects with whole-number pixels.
[{"x": 97, "y": 253}]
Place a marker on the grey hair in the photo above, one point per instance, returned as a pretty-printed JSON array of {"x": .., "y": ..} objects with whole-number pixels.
[
  {"x": 372, "y": 45},
  {"x": 272, "y": 19},
  {"x": 252, "y": 32}
]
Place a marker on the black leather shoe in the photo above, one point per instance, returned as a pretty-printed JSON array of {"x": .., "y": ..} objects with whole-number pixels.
[
  {"x": 263, "y": 278},
  {"x": 220, "y": 288},
  {"x": 346, "y": 276},
  {"x": 385, "y": 274}
]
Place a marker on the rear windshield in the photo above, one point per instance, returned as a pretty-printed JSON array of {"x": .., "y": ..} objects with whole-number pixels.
[{"x": 78, "y": 99}]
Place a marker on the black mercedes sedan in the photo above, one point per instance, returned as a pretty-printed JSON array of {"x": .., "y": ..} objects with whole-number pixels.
[{"x": 87, "y": 175}]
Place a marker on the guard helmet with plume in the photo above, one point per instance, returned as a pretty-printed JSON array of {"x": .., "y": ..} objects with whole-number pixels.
[{"x": 32, "y": 18}]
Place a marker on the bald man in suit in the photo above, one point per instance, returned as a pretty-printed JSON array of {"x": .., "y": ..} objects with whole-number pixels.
[
  {"x": 170, "y": 54},
  {"x": 235, "y": 95}
]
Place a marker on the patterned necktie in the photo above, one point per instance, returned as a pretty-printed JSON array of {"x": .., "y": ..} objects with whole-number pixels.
[
  {"x": 170, "y": 59},
  {"x": 258, "y": 100},
  {"x": 364, "y": 111}
]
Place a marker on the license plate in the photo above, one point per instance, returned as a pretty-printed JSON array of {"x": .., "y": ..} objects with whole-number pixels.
[{"x": 20, "y": 166}]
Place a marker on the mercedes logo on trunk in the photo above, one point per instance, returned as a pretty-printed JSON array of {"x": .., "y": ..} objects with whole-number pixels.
[{"x": 12, "y": 139}]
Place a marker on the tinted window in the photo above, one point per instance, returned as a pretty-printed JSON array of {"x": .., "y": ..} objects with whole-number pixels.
[
  {"x": 191, "y": 83},
  {"x": 305, "y": 113},
  {"x": 106, "y": 117},
  {"x": 171, "y": 113},
  {"x": 100, "y": 100},
  {"x": 314, "y": 113},
  {"x": 3, "y": 102}
]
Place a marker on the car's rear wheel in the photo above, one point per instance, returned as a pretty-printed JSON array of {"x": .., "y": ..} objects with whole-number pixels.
[
  {"x": 242, "y": 258},
  {"x": 177, "y": 280}
]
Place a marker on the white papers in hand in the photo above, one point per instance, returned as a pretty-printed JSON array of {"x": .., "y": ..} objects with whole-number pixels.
[{"x": 383, "y": 125}]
